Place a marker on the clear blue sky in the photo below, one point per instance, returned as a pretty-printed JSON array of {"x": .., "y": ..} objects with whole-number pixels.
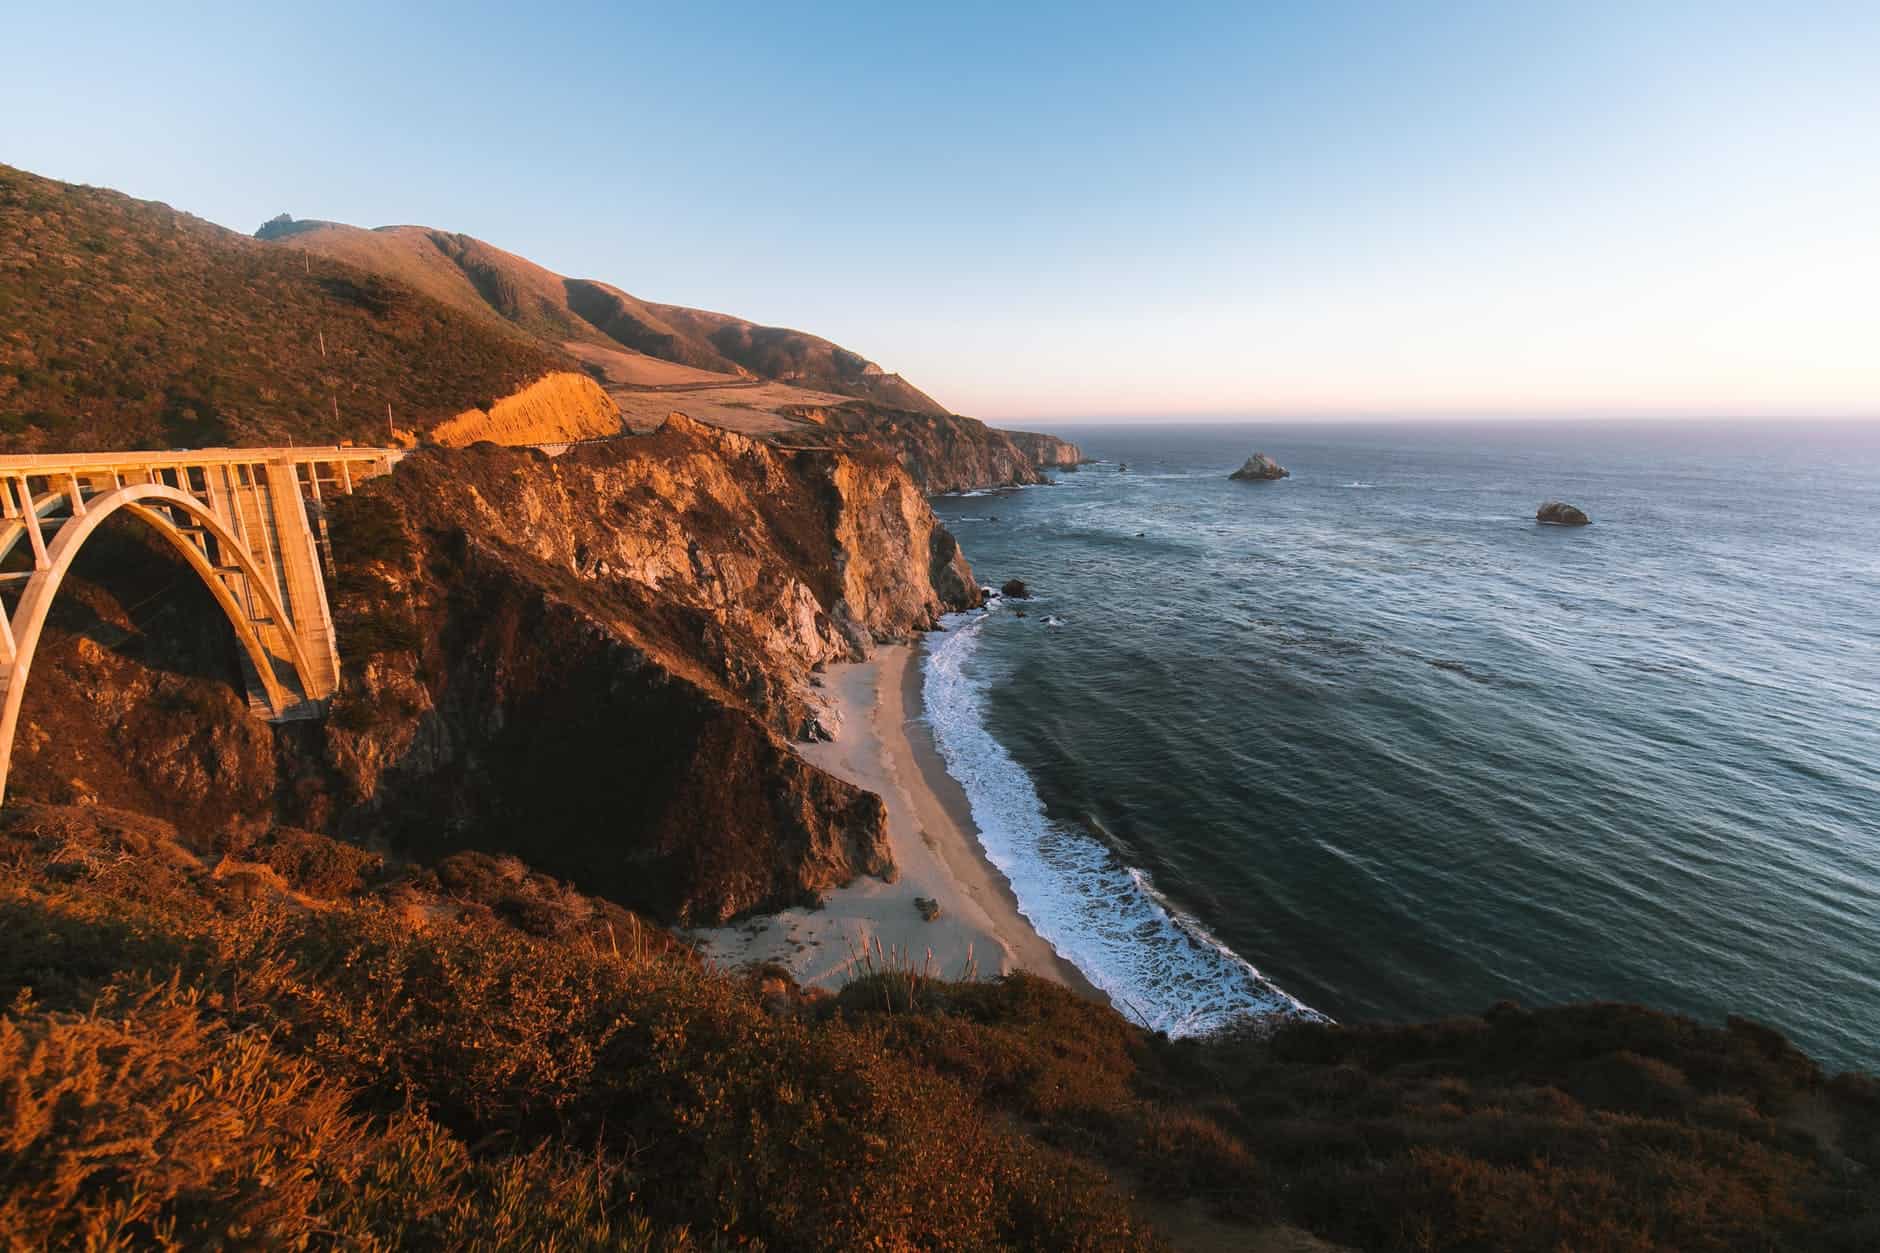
[{"x": 1076, "y": 210}]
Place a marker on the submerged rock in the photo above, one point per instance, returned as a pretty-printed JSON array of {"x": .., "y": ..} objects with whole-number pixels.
[
  {"x": 1261, "y": 467},
  {"x": 1558, "y": 514}
]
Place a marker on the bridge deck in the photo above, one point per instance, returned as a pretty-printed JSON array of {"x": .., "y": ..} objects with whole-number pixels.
[{"x": 164, "y": 458}]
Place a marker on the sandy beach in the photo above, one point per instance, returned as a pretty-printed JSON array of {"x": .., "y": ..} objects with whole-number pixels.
[{"x": 883, "y": 747}]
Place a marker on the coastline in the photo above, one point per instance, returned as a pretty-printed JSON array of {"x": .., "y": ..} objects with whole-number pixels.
[{"x": 881, "y": 745}]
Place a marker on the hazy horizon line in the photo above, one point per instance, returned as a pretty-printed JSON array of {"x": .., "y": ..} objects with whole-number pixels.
[{"x": 1458, "y": 419}]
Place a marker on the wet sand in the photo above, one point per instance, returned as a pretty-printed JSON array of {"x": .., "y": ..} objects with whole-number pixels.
[{"x": 883, "y": 747}]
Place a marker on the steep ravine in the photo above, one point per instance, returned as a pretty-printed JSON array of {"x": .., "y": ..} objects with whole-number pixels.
[{"x": 592, "y": 661}]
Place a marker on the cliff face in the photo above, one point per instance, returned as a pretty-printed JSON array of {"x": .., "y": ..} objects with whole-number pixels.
[
  {"x": 592, "y": 661},
  {"x": 1047, "y": 452},
  {"x": 611, "y": 647},
  {"x": 941, "y": 452}
]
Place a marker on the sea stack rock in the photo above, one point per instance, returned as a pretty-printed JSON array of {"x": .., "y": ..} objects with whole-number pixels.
[
  {"x": 1556, "y": 514},
  {"x": 1261, "y": 467},
  {"x": 1015, "y": 589}
]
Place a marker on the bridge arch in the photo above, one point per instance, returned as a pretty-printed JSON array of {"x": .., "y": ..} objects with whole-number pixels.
[
  {"x": 150, "y": 502},
  {"x": 13, "y": 530}
]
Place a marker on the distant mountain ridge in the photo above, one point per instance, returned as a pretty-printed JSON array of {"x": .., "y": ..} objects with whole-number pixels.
[{"x": 480, "y": 278}]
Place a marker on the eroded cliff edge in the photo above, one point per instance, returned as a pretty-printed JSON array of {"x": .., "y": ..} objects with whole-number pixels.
[
  {"x": 1047, "y": 452},
  {"x": 592, "y": 661}
]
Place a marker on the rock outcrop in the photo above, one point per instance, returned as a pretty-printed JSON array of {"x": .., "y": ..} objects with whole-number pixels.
[
  {"x": 1046, "y": 452},
  {"x": 593, "y": 661},
  {"x": 1261, "y": 467},
  {"x": 615, "y": 644},
  {"x": 1556, "y": 513},
  {"x": 942, "y": 452},
  {"x": 559, "y": 407}
]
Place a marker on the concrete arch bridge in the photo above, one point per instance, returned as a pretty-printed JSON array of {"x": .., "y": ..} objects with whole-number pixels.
[{"x": 250, "y": 523}]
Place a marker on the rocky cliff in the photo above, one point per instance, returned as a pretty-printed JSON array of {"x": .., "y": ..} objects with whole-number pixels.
[
  {"x": 1046, "y": 452},
  {"x": 592, "y": 661},
  {"x": 942, "y": 452}
]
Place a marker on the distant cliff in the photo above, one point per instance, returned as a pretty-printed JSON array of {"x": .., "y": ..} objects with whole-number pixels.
[
  {"x": 942, "y": 452},
  {"x": 1046, "y": 452}
]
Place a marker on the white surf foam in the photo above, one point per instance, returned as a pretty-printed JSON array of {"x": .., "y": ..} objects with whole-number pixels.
[{"x": 1158, "y": 965}]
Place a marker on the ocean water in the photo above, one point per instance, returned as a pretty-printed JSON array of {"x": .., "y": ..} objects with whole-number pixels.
[{"x": 1368, "y": 742}]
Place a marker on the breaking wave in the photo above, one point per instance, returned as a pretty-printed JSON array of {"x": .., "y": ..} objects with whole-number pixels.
[{"x": 1157, "y": 964}]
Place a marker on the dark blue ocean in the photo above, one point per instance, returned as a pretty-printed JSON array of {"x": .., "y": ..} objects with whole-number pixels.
[{"x": 1370, "y": 743}]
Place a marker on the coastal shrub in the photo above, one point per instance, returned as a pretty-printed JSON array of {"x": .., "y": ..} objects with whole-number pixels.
[
  {"x": 372, "y": 613},
  {"x": 320, "y": 867},
  {"x": 694, "y": 1104},
  {"x": 1588, "y": 1127},
  {"x": 151, "y": 1124},
  {"x": 1600, "y": 1127},
  {"x": 431, "y": 1064},
  {"x": 364, "y": 528}
]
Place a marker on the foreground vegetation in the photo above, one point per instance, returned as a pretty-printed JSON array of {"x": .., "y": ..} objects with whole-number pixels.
[{"x": 279, "y": 1041}]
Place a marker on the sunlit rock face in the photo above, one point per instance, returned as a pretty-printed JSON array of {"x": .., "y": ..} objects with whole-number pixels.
[{"x": 1046, "y": 452}]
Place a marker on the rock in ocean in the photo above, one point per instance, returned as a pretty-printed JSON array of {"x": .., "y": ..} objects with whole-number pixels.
[
  {"x": 1559, "y": 514},
  {"x": 1261, "y": 467}
]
